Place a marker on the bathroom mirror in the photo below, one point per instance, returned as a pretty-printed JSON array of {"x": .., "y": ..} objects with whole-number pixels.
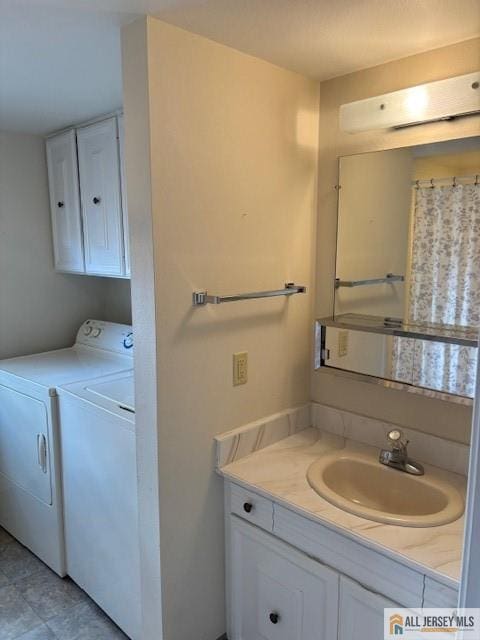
[{"x": 408, "y": 266}]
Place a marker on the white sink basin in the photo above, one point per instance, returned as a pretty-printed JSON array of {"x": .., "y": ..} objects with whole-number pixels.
[{"x": 356, "y": 482}]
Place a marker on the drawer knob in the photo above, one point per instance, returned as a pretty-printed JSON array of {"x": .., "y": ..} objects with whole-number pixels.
[
  {"x": 96, "y": 200},
  {"x": 60, "y": 204},
  {"x": 247, "y": 506},
  {"x": 274, "y": 618}
]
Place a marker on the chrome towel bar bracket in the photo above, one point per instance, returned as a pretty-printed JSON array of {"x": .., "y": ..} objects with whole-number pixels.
[{"x": 201, "y": 298}]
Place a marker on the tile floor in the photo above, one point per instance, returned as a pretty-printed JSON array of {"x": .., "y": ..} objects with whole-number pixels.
[{"x": 35, "y": 604}]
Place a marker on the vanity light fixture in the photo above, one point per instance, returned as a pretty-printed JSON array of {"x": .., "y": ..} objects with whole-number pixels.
[{"x": 441, "y": 100}]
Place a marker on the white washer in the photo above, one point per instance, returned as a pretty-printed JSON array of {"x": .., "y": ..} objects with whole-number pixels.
[
  {"x": 97, "y": 427},
  {"x": 30, "y": 480}
]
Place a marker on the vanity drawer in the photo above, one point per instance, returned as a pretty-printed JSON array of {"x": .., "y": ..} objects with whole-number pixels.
[
  {"x": 438, "y": 595},
  {"x": 252, "y": 507},
  {"x": 370, "y": 568}
]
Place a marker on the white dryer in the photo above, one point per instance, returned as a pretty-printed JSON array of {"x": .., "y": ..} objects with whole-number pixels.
[
  {"x": 97, "y": 427},
  {"x": 30, "y": 470}
]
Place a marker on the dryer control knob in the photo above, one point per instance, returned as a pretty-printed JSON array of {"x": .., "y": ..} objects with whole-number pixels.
[
  {"x": 87, "y": 330},
  {"x": 96, "y": 332},
  {"x": 128, "y": 341}
]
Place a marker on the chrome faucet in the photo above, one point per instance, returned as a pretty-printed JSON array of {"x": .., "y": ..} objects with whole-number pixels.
[{"x": 397, "y": 456}]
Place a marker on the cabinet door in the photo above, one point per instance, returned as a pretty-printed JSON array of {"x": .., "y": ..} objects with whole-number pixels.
[
  {"x": 276, "y": 592},
  {"x": 100, "y": 195},
  {"x": 65, "y": 202},
  {"x": 126, "y": 240},
  {"x": 360, "y": 612}
]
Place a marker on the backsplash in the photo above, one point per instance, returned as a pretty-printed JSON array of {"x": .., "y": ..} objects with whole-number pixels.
[
  {"x": 254, "y": 436},
  {"x": 243, "y": 441},
  {"x": 445, "y": 454}
]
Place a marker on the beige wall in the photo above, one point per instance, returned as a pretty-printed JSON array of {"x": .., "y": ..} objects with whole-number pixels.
[
  {"x": 39, "y": 308},
  {"x": 426, "y": 414},
  {"x": 233, "y": 170},
  {"x": 374, "y": 213},
  {"x": 447, "y": 165}
]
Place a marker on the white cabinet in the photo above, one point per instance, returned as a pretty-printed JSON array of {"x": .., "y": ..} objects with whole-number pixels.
[
  {"x": 437, "y": 595},
  {"x": 87, "y": 197},
  {"x": 360, "y": 612},
  {"x": 65, "y": 203},
  {"x": 99, "y": 169},
  {"x": 251, "y": 507},
  {"x": 290, "y": 578},
  {"x": 276, "y": 592},
  {"x": 126, "y": 240}
]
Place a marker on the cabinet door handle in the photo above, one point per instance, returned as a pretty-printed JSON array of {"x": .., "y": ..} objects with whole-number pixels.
[
  {"x": 60, "y": 204},
  {"x": 42, "y": 451},
  {"x": 96, "y": 200},
  {"x": 247, "y": 507},
  {"x": 274, "y": 617}
]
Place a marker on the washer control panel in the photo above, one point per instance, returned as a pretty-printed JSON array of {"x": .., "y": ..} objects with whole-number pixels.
[{"x": 110, "y": 336}]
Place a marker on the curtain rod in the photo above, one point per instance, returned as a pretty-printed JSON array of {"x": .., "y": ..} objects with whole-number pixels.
[{"x": 454, "y": 180}]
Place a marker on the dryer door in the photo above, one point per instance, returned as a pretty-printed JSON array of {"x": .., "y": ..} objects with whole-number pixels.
[{"x": 24, "y": 444}]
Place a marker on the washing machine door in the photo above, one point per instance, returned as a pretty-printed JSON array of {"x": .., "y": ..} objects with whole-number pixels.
[{"x": 24, "y": 443}]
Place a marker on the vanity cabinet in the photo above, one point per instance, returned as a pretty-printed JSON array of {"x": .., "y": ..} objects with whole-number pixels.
[
  {"x": 90, "y": 226},
  {"x": 362, "y": 609},
  {"x": 251, "y": 507},
  {"x": 279, "y": 593},
  {"x": 292, "y": 578}
]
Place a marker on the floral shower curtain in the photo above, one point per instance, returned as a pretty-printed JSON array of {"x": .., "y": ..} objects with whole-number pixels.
[{"x": 444, "y": 287}]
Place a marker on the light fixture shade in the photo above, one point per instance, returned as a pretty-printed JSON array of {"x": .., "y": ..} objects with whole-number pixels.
[{"x": 424, "y": 103}]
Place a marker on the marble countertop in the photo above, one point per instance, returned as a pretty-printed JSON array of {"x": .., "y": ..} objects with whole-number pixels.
[{"x": 279, "y": 471}]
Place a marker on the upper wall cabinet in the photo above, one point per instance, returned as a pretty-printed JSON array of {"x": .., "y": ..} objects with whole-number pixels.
[
  {"x": 65, "y": 203},
  {"x": 99, "y": 170},
  {"x": 102, "y": 233}
]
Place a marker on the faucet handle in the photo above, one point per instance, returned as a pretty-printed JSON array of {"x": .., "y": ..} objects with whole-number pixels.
[
  {"x": 395, "y": 435},
  {"x": 396, "y": 438}
]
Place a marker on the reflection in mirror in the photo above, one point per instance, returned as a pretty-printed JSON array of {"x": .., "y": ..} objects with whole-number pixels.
[
  {"x": 367, "y": 353},
  {"x": 405, "y": 361},
  {"x": 408, "y": 254}
]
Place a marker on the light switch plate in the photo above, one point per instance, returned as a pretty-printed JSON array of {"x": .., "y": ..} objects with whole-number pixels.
[
  {"x": 240, "y": 368},
  {"x": 342, "y": 344}
]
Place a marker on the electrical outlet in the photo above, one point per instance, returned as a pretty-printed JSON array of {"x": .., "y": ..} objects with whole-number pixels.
[
  {"x": 342, "y": 344},
  {"x": 240, "y": 368}
]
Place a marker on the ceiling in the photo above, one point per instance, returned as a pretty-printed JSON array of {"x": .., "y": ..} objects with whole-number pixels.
[
  {"x": 328, "y": 38},
  {"x": 60, "y": 59},
  {"x": 57, "y": 67}
]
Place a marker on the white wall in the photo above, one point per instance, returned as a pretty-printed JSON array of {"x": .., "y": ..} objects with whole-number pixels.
[
  {"x": 39, "y": 309},
  {"x": 233, "y": 152},
  {"x": 117, "y": 305},
  {"x": 145, "y": 307}
]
